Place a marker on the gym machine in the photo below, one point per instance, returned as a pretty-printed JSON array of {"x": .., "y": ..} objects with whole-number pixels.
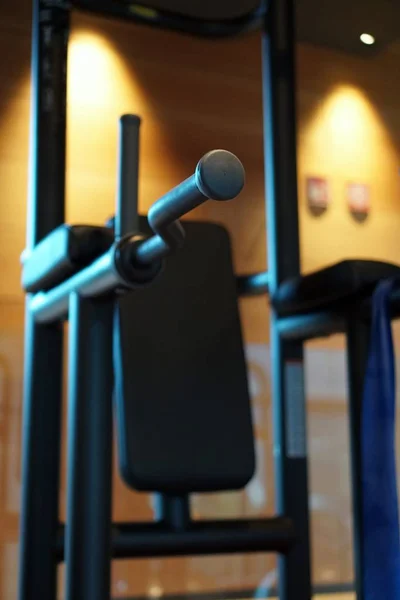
[{"x": 98, "y": 277}]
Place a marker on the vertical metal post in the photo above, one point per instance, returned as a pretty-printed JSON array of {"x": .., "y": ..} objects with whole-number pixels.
[
  {"x": 290, "y": 451},
  {"x": 126, "y": 214},
  {"x": 46, "y": 206},
  {"x": 358, "y": 336},
  {"x": 175, "y": 511},
  {"x": 88, "y": 528},
  {"x": 43, "y": 344}
]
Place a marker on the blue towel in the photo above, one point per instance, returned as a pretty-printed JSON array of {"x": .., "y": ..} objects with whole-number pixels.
[{"x": 381, "y": 550}]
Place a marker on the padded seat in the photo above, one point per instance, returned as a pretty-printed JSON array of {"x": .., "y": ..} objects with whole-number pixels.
[{"x": 332, "y": 287}]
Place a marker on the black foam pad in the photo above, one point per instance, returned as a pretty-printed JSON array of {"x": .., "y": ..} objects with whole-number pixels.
[
  {"x": 182, "y": 402},
  {"x": 64, "y": 251},
  {"x": 331, "y": 287}
]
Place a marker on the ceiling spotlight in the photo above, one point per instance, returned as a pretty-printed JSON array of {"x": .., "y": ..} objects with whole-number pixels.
[{"x": 367, "y": 38}]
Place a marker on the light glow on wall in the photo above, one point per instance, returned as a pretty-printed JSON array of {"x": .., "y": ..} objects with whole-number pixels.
[
  {"x": 347, "y": 129},
  {"x": 91, "y": 69},
  {"x": 346, "y": 139}
]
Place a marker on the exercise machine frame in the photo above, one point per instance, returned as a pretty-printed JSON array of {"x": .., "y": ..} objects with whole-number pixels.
[{"x": 44, "y": 541}]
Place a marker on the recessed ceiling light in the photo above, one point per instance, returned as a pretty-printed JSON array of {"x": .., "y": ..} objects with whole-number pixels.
[{"x": 367, "y": 38}]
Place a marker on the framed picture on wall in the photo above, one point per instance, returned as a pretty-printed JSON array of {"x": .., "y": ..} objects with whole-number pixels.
[
  {"x": 358, "y": 199},
  {"x": 317, "y": 194}
]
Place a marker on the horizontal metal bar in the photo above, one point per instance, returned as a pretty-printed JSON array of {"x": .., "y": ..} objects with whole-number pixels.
[
  {"x": 207, "y": 537},
  {"x": 146, "y": 540},
  {"x": 326, "y": 323},
  {"x": 256, "y": 284},
  {"x": 167, "y": 20},
  {"x": 309, "y": 326},
  {"x": 96, "y": 279}
]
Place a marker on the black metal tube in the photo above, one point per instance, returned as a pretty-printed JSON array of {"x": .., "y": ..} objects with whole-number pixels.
[
  {"x": 156, "y": 248},
  {"x": 98, "y": 278},
  {"x": 185, "y": 24},
  {"x": 46, "y": 205},
  {"x": 41, "y": 433},
  {"x": 219, "y": 175},
  {"x": 43, "y": 344},
  {"x": 325, "y": 323},
  {"x": 163, "y": 219},
  {"x": 288, "y": 393},
  {"x": 175, "y": 203},
  {"x": 280, "y": 147},
  {"x": 147, "y": 540},
  {"x": 311, "y": 326},
  {"x": 88, "y": 530},
  {"x": 175, "y": 511},
  {"x": 117, "y": 267},
  {"x": 256, "y": 284},
  {"x": 358, "y": 337},
  {"x": 126, "y": 214},
  {"x": 274, "y": 535}
]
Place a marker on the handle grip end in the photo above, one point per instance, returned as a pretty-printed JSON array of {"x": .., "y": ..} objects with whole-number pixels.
[{"x": 220, "y": 175}]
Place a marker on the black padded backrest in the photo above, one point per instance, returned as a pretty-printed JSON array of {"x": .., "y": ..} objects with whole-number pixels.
[{"x": 182, "y": 402}]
